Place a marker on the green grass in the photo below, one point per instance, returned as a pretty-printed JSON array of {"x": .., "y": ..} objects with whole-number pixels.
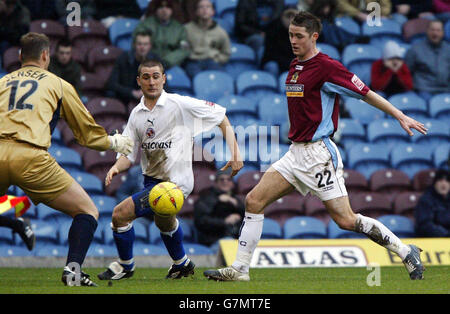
[{"x": 263, "y": 281}]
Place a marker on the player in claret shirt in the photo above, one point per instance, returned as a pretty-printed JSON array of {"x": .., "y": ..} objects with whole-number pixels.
[{"x": 313, "y": 163}]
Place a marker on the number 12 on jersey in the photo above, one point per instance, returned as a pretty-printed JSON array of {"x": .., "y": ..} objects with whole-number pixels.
[{"x": 20, "y": 104}]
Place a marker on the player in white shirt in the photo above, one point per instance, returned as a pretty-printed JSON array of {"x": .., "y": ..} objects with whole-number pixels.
[{"x": 163, "y": 125}]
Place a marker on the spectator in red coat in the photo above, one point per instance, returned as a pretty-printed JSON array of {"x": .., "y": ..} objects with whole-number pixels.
[{"x": 390, "y": 74}]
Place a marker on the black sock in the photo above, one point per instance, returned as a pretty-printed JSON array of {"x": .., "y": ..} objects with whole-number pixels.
[
  {"x": 80, "y": 237},
  {"x": 11, "y": 223}
]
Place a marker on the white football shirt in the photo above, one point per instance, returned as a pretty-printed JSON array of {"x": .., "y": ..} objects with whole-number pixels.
[{"x": 165, "y": 135}]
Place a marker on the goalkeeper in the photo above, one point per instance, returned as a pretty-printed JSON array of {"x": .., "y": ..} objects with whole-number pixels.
[{"x": 31, "y": 101}]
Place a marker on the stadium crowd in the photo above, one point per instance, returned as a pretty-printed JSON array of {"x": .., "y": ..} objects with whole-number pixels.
[{"x": 237, "y": 53}]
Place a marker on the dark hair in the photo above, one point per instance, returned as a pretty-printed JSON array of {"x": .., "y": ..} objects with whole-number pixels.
[
  {"x": 177, "y": 12},
  {"x": 309, "y": 21},
  {"x": 142, "y": 33},
  {"x": 441, "y": 174},
  {"x": 32, "y": 45},
  {"x": 65, "y": 42},
  {"x": 150, "y": 63}
]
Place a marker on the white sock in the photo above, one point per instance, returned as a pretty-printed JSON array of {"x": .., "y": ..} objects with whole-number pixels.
[
  {"x": 378, "y": 233},
  {"x": 251, "y": 230}
]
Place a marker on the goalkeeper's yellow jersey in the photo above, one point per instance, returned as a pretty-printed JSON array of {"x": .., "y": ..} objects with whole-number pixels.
[{"x": 31, "y": 101}]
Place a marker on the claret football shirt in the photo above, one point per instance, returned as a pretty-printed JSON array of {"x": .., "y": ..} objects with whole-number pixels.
[{"x": 313, "y": 87}]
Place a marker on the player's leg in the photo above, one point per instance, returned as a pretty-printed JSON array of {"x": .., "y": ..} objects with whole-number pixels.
[
  {"x": 77, "y": 203},
  {"x": 22, "y": 227},
  {"x": 271, "y": 187},
  {"x": 123, "y": 233},
  {"x": 172, "y": 236},
  {"x": 341, "y": 212}
]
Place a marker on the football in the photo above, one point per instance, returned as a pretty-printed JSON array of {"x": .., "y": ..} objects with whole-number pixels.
[{"x": 166, "y": 199}]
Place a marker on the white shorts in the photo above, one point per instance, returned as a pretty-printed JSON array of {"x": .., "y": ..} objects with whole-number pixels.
[{"x": 314, "y": 167}]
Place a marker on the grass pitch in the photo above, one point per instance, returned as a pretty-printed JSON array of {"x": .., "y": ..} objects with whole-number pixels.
[{"x": 263, "y": 281}]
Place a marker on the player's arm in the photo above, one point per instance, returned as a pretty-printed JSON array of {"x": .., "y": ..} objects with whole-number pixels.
[
  {"x": 86, "y": 131},
  {"x": 122, "y": 164},
  {"x": 235, "y": 163},
  {"x": 406, "y": 122}
]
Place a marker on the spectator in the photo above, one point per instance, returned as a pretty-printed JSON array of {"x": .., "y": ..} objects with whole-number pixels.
[
  {"x": 87, "y": 8},
  {"x": 209, "y": 43},
  {"x": 217, "y": 212},
  {"x": 432, "y": 213},
  {"x": 252, "y": 18},
  {"x": 413, "y": 8},
  {"x": 357, "y": 9},
  {"x": 390, "y": 74},
  {"x": 110, "y": 10},
  {"x": 64, "y": 66},
  {"x": 122, "y": 82},
  {"x": 442, "y": 9},
  {"x": 277, "y": 47},
  {"x": 429, "y": 61},
  {"x": 169, "y": 39},
  {"x": 14, "y": 22},
  {"x": 178, "y": 12}
]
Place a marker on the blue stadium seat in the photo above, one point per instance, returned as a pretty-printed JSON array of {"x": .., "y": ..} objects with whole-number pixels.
[
  {"x": 360, "y": 53},
  {"x": 447, "y": 30},
  {"x": 438, "y": 134},
  {"x": 361, "y": 111},
  {"x": 242, "y": 59},
  {"x": 225, "y": 7},
  {"x": 14, "y": 251},
  {"x": 273, "y": 109},
  {"x": 236, "y": 104},
  {"x": 380, "y": 34},
  {"x": 440, "y": 107},
  {"x": 256, "y": 84},
  {"x": 343, "y": 154},
  {"x": 363, "y": 71},
  {"x": 108, "y": 234},
  {"x": 120, "y": 32},
  {"x": 143, "y": 4},
  {"x": 51, "y": 250},
  {"x": 197, "y": 249},
  {"x": 88, "y": 181},
  {"x": 44, "y": 231},
  {"x": 368, "y": 158},
  {"x": 387, "y": 132},
  {"x": 68, "y": 158},
  {"x": 211, "y": 85},
  {"x": 105, "y": 204},
  {"x": 6, "y": 236},
  {"x": 282, "y": 82},
  {"x": 99, "y": 235},
  {"x": 56, "y": 137},
  {"x": 441, "y": 156},
  {"x": 334, "y": 232},
  {"x": 349, "y": 25},
  {"x": 401, "y": 226},
  {"x": 303, "y": 227},
  {"x": 178, "y": 81},
  {"x": 141, "y": 249},
  {"x": 271, "y": 229},
  {"x": 329, "y": 50},
  {"x": 411, "y": 104},
  {"x": 63, "y": 232},
  {"x": 352, "y": 132},
  {"x": 141, "y": 232},
  {"x": 101, "y": 250},
  {"x": 411, "y": 158}
]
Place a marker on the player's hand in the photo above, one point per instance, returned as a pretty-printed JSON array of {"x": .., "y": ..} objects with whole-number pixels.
[
  {"x": 111, "y": 173},
  {"x": 121, "y": 144},
  {"x": 235, "y": 165},
  {"x": 408, "y": 123}
]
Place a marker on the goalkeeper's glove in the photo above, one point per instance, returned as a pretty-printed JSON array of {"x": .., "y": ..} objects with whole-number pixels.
[{"x": 121, "y": 144}]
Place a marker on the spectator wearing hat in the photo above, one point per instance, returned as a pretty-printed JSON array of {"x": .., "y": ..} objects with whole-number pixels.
[
  {"x": 218, "y": 213},
  {"x": 432, "y": 213},
  {"x": 390, "y": 74},
  {"x": 169, "y": 38},
  {"x": 208, "y": 42},
  {"x": 429, "y": 61}
]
